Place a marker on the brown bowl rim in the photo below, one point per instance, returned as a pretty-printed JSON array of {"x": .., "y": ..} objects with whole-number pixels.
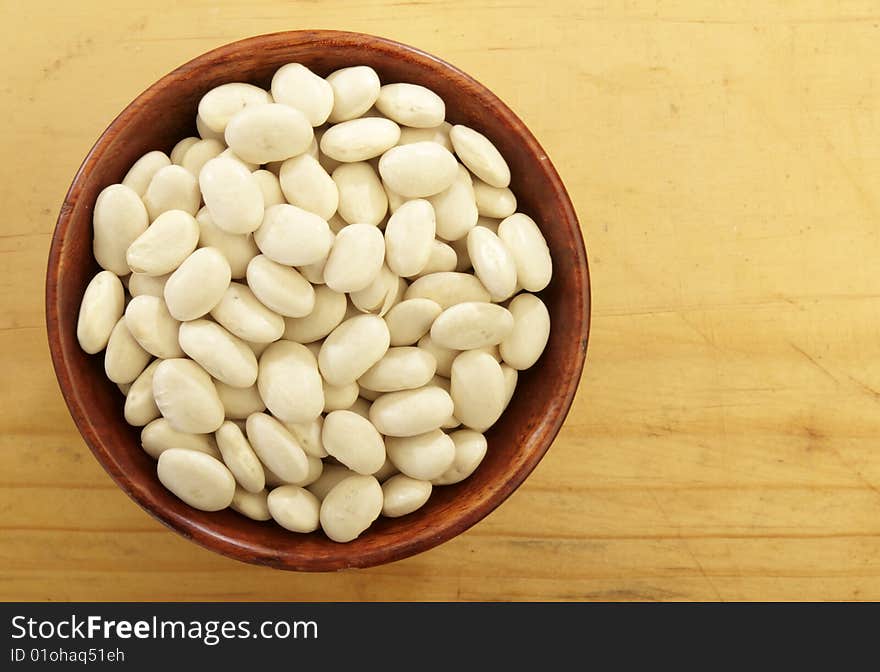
[{"x": 244, "y": 550}]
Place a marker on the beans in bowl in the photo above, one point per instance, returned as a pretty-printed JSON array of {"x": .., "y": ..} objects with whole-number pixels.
[{"x": 317, "y": 308}]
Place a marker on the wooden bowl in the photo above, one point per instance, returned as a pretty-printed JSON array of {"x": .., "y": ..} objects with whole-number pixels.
[{"x": 165, "y": 113}]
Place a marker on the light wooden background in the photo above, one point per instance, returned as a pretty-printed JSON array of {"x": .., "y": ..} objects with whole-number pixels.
[{"x": 724, "y": 158}]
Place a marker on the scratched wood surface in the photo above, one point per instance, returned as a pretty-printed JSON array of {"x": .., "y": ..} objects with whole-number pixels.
[{"x": 725, "y": 161}]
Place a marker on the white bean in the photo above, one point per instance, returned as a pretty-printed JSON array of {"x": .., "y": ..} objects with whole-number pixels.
[
  {"x": 419, "y": 169},
  {"x": 362, "y": 199},
  {"x": 409, "y": 235},
  {"x": 100, "y": 310},
  {"x": 242, "y": 314},
  {"x": 531, "y": 328},
  {"x": 169, "y": 240},
  {"x": 271, "y": 132},
  {"x": 280, "y": 288},
  {"x": 226, "y": 357},
  {"x": 534, "y": 267},
  {"x": 180, "y": 149},
  {"x": 411, "y": 105},
  {"x": 289, "y": 382},
  {"x": 222, "y": 102},
  {"x": 493, "y": 263},
  {"x": 411, "y": 412},
  {"x": 478, "y": 153},
  {"x": 351, "y": 507},
  {"x": 158, "y": 436},
  {"x": 352, "y": 348},
  {"x": 327, "y": 314},
  {"x": 411, "y": 319},
  {"x": 470, "y": 449},
  {"x": 448, "y": 288},
  {"x": 355, "y": 259},
  {"x": 293, "y": 236},
  {"x": 403, "y": 495},
  {"x": 240, "y": 458},
  {"x": 455, "y": 207},
  {"x": 198, "y": 284},
  {"x": 139, "y": 175},
  {"x": 232, "y": 195},
  {"x": 402, "y": 368},
  {"x": 478, "y": 390},
  {"x": 307, "y": 185},
  {"x": 153, "y": 327},
  {"x": 294, "y": 508},
  {"x": 276, "y": 447},
  {"x": 270, "y": 187},
  {"x": 492, "y": 201},
  {"x": 471, "y": 325},
  {"x": 295, "y": 85},
  {"x": 172, "y": 188},
  {"x": 198, "y": 479},
  {"x": 140, "y": 405},
  {"x": 424, "y": 456},
  {"x": 186, "y": 396},
  {"x": 355, "y": 89},
  {"x": 200, "y": 153},
  {"x": 359, "y": 139},
  {"x": 253, "y": 505},
  {"x": 353, "y": 441},
  {"x": 119, "y": 218}
]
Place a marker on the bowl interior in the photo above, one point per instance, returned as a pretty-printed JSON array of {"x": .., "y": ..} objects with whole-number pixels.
[{"x": 164, "y": 114}]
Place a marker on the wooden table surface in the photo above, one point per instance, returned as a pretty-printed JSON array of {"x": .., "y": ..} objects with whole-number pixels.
[{"x": 724, "y": 159}]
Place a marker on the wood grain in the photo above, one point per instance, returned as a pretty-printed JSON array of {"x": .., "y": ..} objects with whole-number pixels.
[{"x": 723, "y": 161}]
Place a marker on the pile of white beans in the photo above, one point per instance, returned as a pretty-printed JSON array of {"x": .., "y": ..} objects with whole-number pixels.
[{"x": 315, "y": 310}]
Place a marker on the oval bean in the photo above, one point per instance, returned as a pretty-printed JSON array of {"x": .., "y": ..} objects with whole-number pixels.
[
  {"x": 403, "y": 495},
  {"x": 352, "y": 348},
  {"x": 418, "y": 169},
  {"x": 424, "y": 456},
  {"x": 280, "y": 288},
  {"x": 294, "y": 508},
  {"x": 350, "y": 507},
  {"x": 224, "y": 356},
  {"x": 522, "y": 347},
  {"x": 471, "y": 325},
  {"x": 411, "y": 412},
  {"x": 240, "y": 458},
  {"x": 198, "y": 479},
  {"x": 186, "y": 397},
  {"x": 353, "y": 441},
  {"x": 270, "y": 132},
  {"x": 100, "y": 310},
  {"x": 119, "y": 218},
  {"x": 232, "y": 195},
  {"x": 198, "y": 284},
  {"x": 297, "y": 86}
]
